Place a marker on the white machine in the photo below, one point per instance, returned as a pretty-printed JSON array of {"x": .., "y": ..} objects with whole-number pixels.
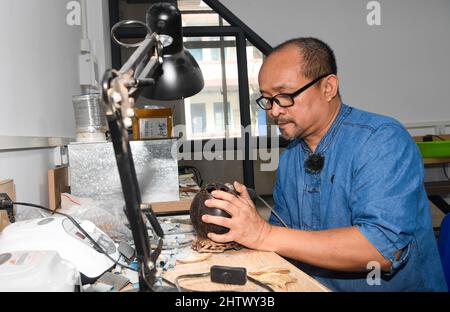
[
  {"x": 61, "y": 235},
  {"x": 37, "y": 271}
]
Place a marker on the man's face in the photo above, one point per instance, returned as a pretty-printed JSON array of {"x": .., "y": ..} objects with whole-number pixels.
[{"x": 281, "y": 73}]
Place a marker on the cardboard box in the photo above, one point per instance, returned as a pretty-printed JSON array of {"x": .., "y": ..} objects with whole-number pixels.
[
  {"x": 58, "y": 182},
  {"x": 8, "y": 187},
  {"x": 181, "y": 206}
]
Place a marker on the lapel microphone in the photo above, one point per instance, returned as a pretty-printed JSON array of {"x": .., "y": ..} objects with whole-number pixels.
[{"x": 314, "y": 163}]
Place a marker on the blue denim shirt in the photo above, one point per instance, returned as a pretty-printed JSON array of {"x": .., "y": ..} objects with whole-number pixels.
[{"x": 372, "y": 179}]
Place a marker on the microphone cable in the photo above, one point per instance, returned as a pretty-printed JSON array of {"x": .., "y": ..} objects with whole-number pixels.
[{"x": 253, "y": 195}]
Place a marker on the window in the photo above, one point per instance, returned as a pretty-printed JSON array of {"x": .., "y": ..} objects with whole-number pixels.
[
  {"x": 257, "y": 115},
  {"x": 215, "y": 54},
  {"x": 219, "y": 117},
  {"x": 221, "y": 86},
  {"x": 193, "y": 12},
  {"x": 198, "y": 118},
  {"x": 225, "y": 103},
  {"x": 197, "y": 54}
]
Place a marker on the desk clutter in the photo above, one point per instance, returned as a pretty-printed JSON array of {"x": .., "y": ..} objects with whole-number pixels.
[
  {"x": 435, "y": 151},
  {"x": 178, "y": 237},
  {"x": 183, "y": 244},
  {"x": 97, "y": 250},
  {"x": 177, "y": 250},
  {"x": 434, "y": 146}
]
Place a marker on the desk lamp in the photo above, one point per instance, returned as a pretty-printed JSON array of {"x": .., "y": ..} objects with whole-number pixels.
[{"x": 159, "y": 69}]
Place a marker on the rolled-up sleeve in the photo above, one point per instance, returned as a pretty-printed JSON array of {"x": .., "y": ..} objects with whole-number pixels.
[{"x": 388, "y": 180}]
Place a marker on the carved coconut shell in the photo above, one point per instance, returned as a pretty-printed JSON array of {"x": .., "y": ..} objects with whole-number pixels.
[{"x": 198, "y": 209}]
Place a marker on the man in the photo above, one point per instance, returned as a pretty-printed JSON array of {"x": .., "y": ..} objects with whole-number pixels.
[{"x": 349, "y": 186}]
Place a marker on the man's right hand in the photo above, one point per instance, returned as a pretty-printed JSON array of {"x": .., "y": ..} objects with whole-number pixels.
[{"x": 246, "y": 226}]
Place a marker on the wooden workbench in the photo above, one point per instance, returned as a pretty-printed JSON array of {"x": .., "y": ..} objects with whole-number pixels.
[{"x": 252, "y": 260}]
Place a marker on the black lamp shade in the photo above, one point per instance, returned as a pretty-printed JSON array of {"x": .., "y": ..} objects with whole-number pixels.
[{"x": 179, "y": 76}]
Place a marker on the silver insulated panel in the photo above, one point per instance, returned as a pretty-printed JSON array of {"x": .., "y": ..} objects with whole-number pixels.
[{"x": 94, "y": 174}]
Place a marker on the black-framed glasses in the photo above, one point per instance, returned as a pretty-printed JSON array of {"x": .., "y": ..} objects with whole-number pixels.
[{"x": 285, "y": 99}]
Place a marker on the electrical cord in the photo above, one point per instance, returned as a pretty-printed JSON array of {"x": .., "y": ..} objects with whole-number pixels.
[
  {"x": 254, "y": 280},
  {"x": 162, "y": 278},
  {"x": 444, "y": 168},
  {"x": 96, "y": 245},
  {"x": 438, "y": 136},
  {"x": 272, "y": 210},
  {"x": 184, "y": 276},
  {"x": 252, "y": 193},
  {"x": 198, "y": 176},
  {"x": 198, "y": 275},
  {"x": 116, "y": 262},
  {"x": 195, "y": 171},
  {"x": 78, "y": 226}
]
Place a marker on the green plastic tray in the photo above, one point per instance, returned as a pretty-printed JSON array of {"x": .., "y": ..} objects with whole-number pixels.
[{"x": 434, "y": 149}]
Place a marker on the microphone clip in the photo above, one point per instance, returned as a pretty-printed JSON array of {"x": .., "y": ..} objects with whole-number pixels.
[{"x": 314, "y": 163}]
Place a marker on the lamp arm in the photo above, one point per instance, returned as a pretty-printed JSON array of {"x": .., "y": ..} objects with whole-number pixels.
[
  {"x": 141, "y": 80},
  {"x": 141, "y": 52},
  {"x": 132, "y": 197},
  {"x": 116, "y": 88},
  {"x": 143, "y": 64},
  {"x": 119, "y": 91}
]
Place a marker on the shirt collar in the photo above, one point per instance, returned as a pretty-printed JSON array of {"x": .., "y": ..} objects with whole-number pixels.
[{"x": 344, "y": 111}]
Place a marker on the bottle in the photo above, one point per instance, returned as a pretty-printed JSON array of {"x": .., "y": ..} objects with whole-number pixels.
[{"x": 152, "y": 122}]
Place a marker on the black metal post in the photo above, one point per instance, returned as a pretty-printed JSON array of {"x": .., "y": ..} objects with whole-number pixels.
[
  {"x": 132, "y": 196},
  {"x": 244, "y": 100}
]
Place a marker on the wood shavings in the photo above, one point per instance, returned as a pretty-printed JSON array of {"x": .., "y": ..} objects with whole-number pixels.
[
  {"x": 275, "y": 276},
  {"x": 270, "y": 269},
  {"x": 195, "y": 258},
  {"x": 208, "y": 246}
]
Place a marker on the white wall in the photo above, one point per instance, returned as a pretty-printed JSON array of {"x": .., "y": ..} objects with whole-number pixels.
[
  {"x": 39, "y": 56},
  {"x": 39, "y": 51},
  {"x": 29, "y": 171},
  {"x": 399, "y": 68},
  {"x": 98, "y": 32}
]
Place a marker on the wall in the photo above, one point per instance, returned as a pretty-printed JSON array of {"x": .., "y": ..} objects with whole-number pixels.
[
  {"x": 41, "y": 68},
  {"x": 29, "y": 171},
  {"x": 39, "y": 77},
  {"x": 399, "y": 68},
  {"x": 98, "y": 32}
]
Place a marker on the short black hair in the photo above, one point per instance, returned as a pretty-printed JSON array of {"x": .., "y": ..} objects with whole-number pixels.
[{"x": 318, "y": 57}]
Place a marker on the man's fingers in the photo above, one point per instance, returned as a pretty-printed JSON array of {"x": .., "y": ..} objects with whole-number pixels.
[
  {"x": 227, "y": 197},
  {"x": 224, "y": 196},
  {"x": 225, "y": 222},
  {"x": 242, "y": 189},
  {"x": 225, "y": 238},
  {"x": 236, "y": 201},
  {"x": 224, "y": 205},
  {"x": 244, "y": 195}
]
